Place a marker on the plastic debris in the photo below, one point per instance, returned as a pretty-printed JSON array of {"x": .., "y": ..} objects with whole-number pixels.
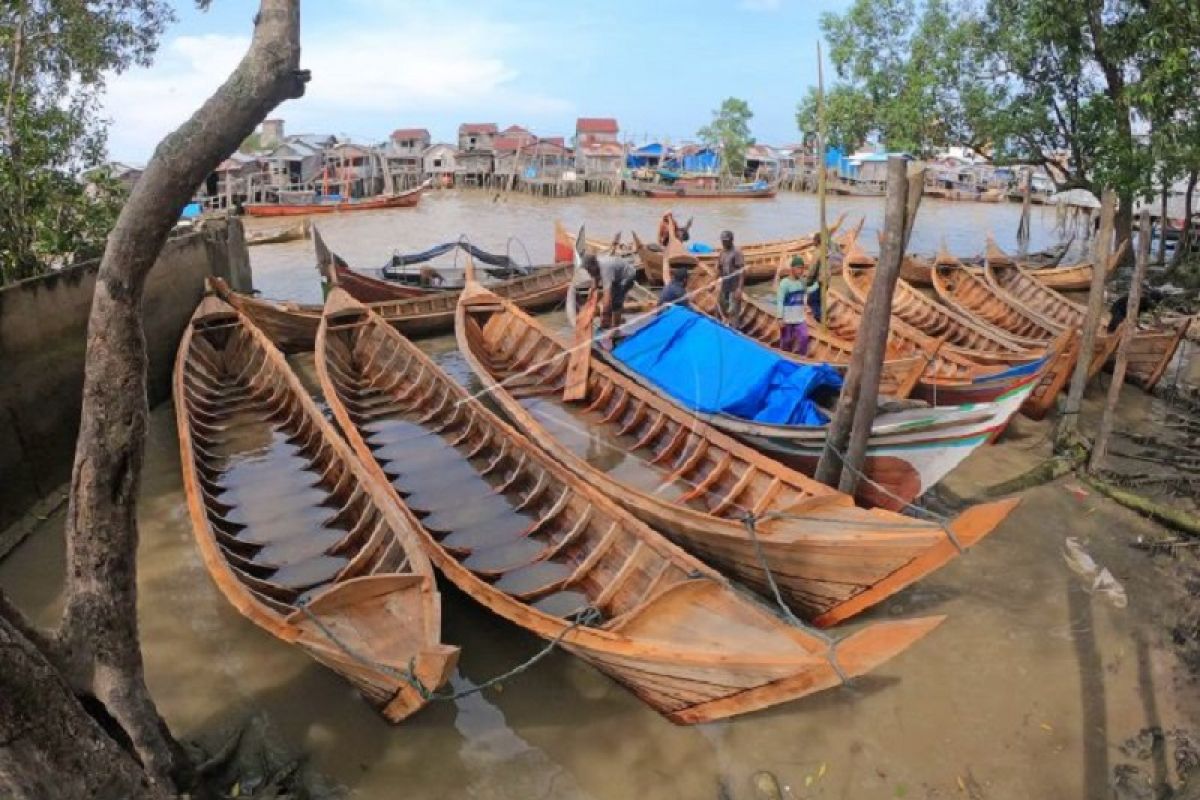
[{"x": 1098, "y": 580}]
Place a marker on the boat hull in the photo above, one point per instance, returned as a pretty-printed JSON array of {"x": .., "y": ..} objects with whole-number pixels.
[{"x": 406, "y": 199}]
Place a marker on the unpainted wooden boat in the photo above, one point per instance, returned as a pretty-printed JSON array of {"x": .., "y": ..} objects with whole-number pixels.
[
  {"x": 291, "y": 233},
  {"x": 1009, "y": 279},
  {"x": 297, "y": 535},
  {"x": 695, "y": 484},
  {"x": 1072, "y": 277},
  {"x": 293, "y": 326},
  {"x": 762, "y": 258},
  {"x": 405, "y": 199},
  {"x": 543, "y": 549},
  {"x": 990, "y": 344},
  {"x": 968, "y": 292},
  {"x": 1150, "y": 352}
]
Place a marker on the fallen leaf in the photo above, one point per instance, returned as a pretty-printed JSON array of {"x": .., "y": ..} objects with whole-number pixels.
[
  {"x": 821, "y": 771},
  {"x": 1046, "y": 727},
  {"x": 962, "y": 785}
]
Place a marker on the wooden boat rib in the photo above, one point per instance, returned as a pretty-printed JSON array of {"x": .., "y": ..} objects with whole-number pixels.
[
  {"x": 278, "y": 235},
  {"x": 522, "y": 535},
  {"x": 405, "y": 199},
  {"x": 294, "y": 326},
  {"x": 970, "y": 294},
  {"x": 831, "y": 559},
  {"x": 990, "y": 344},
  {"x": 297, "y": 535}
]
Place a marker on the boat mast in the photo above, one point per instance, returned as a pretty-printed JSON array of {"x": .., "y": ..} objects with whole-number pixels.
[{"x": 823, "y": 244}]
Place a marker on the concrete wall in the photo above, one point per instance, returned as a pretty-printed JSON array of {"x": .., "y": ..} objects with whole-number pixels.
[{"x": 43, "y": 332}]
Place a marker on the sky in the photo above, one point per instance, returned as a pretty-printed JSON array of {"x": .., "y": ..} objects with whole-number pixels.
[{"x": 378, "y": 65}]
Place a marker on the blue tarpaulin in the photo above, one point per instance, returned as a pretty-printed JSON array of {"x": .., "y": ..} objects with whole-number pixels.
[
  {"x": 712, "y": 369},
  {"x": 645, "y": 156},
  {"x": 191, "y": 211}
]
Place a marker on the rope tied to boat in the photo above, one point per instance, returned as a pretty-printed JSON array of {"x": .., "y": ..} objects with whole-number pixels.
[
  {"x": 751, "y": 522},
  {"x": 587, "y": 616}
]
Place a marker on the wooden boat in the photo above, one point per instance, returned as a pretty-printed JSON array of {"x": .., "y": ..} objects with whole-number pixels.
[
  {"x": 908, "y": 451},
  {"x": 543, "y": 549},
  {"x": 991, "y": 344},
  {"x": 695, "y": 484},
  {"x": 1150, "y": 353},
  {"x": 969, "y": 293},
  {"x": 762, "y": 258},
  {"x": 857, "y": 188},
  {"x": 277, "y": 235},
  {"x": 661, "y": 191},
  {"x": 405, "y": 199},
  {"x": 293, "y": 326},
  {"x": 1010, "y": 280},
  {"x": 335, "y": 271},
  {"x": 1073, "y": 277},
  {"x": 297, "y": 535}
]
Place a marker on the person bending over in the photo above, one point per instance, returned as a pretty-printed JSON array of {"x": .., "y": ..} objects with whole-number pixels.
[
  {"x": 675, "y": 292},
  {"x": 614, "y": 275}
]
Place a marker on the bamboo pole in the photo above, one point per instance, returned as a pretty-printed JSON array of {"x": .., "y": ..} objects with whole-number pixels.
[
  {"x": 1026, "y": 203},
  {"x": 1127, "y": 332},
  {"x": 1068, "y": 424},
  {"x": 1162, "y": 225},
  {"x": 822, "y": 186},
  {"x": 851, "y": 426}
]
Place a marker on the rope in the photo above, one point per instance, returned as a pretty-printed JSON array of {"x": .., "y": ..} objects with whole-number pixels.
[
  {"x": 587, "y": 617},
  {"x": 830, "y": 643}
]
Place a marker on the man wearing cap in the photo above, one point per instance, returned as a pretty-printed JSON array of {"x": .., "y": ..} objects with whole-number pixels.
[{"x": 731, "y": 264}]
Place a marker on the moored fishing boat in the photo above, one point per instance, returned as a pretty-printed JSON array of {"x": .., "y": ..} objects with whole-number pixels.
[
  {"x": 296, "y": 534},
  {"x": 696, "y": 484},
  {"x": 523, "y": 536},
  {"x": 313, "y": 204},
  {"x": 743, "y": 388},
  {"x": 991, "y": 344},
  {"x": 759, "y": 190},
  {"x": 368, "y": 289},
  {"x": 1072, "y": 277},
  {"x": 278, "y": 235},
  {"x": 969, "y": 293}
]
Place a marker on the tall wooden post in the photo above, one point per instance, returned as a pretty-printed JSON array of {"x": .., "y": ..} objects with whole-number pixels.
[
  {"x": 1162, "y": 224},
  {"x": 1068, "y": 424},
  {"x": 1026, "y": 203},
  {"x": 1131, "y": 316},
  {"x": 851, "y": 425},
  {"x": 822, "y": 187}
]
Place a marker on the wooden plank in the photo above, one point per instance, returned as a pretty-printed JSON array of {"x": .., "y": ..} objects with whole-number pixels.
[{"x": 580, "y": 362}]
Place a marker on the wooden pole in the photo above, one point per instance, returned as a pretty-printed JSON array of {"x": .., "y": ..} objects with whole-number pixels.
[
  {"x": 851, "y": 426},
  {"x": 1026, "y": 203},
  {"x": 1127, "y": 331},
  {"x": 1162, "y": 224},
  {"x": 822, "y": 187},
  {"x": 1068, "y": 424}
]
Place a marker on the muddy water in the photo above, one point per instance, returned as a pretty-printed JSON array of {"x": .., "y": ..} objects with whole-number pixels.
[
  {"x": 521, "y": 225},
  {"x": 1028, "y": 690}
]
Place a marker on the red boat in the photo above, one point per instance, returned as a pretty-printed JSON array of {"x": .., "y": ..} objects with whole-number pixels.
[{"x": 405, "y": 199}]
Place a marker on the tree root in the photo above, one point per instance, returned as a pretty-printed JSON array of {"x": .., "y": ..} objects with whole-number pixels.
[
  {"x": 1049, "y": 470},
  {"x": 1171, "y": 517}
]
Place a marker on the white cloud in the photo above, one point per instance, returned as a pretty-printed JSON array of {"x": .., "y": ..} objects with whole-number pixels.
[
  {"x": 761, "y": 5},
  {"x": 399, "y": 68}
]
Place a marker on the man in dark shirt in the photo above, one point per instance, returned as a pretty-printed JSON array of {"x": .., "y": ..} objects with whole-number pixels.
[
  {"x": 731, "y": 265},
  {"x": 675, "y": 292},
  {"x": 614, "y": 276}
]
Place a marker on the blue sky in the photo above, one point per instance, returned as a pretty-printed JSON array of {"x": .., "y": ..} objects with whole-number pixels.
[{"x": 381, "y": 64}]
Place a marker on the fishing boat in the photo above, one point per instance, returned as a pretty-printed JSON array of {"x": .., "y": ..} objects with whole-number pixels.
[
  {"x": 696, "y": 484},
  {"x": 293, "y": 326},
  {"x": 739, "y": 387},
  {"x": 991, "y": 344},
  {"x": 335, "y": 271},
  {"x": 1073, "y": 277},
  {"x": 301, "y": 538},
  {"x": 916, "y": 269},
  {"x": 541, "y": 548},
  {"x": 1150, "y": 351},
  {"x": 758, "y": 190},
  {"x": 315, "y": 204},
  {"x": 291, "y": 233},
  {"x": 969, "y": 293}
]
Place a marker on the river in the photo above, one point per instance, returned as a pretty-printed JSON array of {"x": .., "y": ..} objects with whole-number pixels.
[{"x": 1028, "y": 690}]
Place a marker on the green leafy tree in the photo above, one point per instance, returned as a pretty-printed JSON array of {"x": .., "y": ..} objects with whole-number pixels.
[
  {"x": 54, "y": 56},
  {"x": 730, "y": 132},
  {"x": 849, "y": 116}
]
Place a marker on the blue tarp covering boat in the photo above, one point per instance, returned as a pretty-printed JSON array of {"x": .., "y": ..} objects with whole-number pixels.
[{"x": 712, "y": 369}]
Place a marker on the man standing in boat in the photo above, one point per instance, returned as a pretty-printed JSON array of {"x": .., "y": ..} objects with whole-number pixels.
[
  {"x": 732, "y": 266},
  {"x": 792, "y": 292},
  {"x": 615, "y": 276}
]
